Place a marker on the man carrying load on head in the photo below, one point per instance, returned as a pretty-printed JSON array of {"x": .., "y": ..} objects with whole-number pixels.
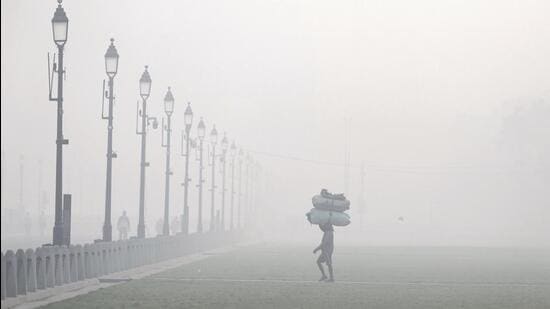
[{"x": 326, "y": 247}]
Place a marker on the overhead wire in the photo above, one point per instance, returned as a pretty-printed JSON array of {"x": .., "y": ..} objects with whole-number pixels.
[{"x": 407, "y": 169}]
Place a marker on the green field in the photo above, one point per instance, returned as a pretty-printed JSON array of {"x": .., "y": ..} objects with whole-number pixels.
[{"x": 276, "y": 276}]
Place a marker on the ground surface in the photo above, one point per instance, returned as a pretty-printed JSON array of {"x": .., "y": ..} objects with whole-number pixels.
[{"x": 274, "y": 276}]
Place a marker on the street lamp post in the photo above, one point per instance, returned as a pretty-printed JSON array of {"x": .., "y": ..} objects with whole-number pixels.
[
  {"x": 201, "y": 133},
  {"x": 144, "y": 91},
  {"x": 258, "y": 189},
  {"x": 252, "y": 192},
  {"x": 213, "y": 141},
  {"x": 246, "y": 207},
  {"x": 240, "y": 188},
  {"x": 168, "y": 109},
  {"x": 60, "y": 27},
  {"x": 224, "y": 145},
  {"x": 188, "y": 120},
  {"x": 251, "y": 182},
  {"x": 21, "y": 173},
  {"x": 233, "y": 152},
  {"x": 111, "y": 68}
]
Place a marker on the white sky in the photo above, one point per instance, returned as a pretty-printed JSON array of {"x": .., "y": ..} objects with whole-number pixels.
[{"x": 420, "y": 85}]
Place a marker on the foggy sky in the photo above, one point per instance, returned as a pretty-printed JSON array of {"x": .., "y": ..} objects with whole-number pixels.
[{"x": 419, "y": 89}]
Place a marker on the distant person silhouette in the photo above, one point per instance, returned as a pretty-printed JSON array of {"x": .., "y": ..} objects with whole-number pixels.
[
  {"x": 123, "y": 225},
  {"x": 326, "y": 247}
]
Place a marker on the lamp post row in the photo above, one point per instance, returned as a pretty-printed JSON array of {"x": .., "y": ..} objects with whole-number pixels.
[{"x": 143, "y": 121}]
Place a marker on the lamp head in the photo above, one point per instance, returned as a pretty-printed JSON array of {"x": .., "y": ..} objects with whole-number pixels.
[
  {"x": 214, "y": 136},
  {"x": 224, "y": 143},
  {"x": 145, "y": 84},
  {"x": 233, "y": 149},
  {"x": 60, "y": 25},
  {"x": 169, "y": 102},
  {"x": 188, "y": 116},
  {"x": 111, "y": 60},
  {"x": 201, "y": 130}
]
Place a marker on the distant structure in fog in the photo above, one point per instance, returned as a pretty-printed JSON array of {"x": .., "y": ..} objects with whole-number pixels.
[{"x": 347, "y": 155}]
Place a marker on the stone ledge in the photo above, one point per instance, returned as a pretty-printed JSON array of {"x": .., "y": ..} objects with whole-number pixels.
[{"x": 59, "y": 293}]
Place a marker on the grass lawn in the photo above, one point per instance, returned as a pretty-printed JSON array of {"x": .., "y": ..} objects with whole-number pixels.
[{"x": 276, "y": 276}]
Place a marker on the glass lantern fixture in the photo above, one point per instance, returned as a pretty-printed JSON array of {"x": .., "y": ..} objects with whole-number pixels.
[
  {"x": 224, "y": 143},
  {"x": 169, "y": 102},
  {"x": 111, "y": 60},
  {"x": 188, "y": 116},
  {"x": 233, "y": 149},
  {"x": 201, "y": 130},
  {"x": 60, "y": 25},
  {"x": 214, "y": 136},
  {"x": 145, "y": 84}
]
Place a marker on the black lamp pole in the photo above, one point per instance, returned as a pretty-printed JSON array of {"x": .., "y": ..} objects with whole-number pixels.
[
  {"x": 201, "y": 133},
  {"x": 224, "y": 145},
  {"x": 240, "y": 188},
  {"x": 246, "y": 207},
  {"x": 111, "y": 67},
  {"x": 145, "y": 91},
  {"x": 188, "y": 119},
  {"x": 231, "y": 212},
  {"x": 214, "y": 141},
  {"x": 169, "y": 109},
  {"x": 60, "y": 24}
]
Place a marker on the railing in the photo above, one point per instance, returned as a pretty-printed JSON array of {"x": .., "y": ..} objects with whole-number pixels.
[{"x": 49, "y": 266}]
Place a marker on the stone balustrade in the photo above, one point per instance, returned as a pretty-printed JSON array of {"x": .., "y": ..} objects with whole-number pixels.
[{"x": 29, "y": 271}]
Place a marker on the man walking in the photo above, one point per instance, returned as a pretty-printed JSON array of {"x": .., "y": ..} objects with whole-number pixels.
[{"x": 326, "y": 247}]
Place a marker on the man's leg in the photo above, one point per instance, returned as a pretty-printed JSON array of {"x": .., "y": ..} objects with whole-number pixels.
[
  {"x": 329, "y": 265},
  {"x": 331, "y": 274},
  {"x": 320, "y": 261}
]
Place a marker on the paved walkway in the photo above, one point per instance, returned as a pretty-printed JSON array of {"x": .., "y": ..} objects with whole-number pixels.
[
  {"x": 412, "y": 283},
  {"x": 284, "y": 276},
  {"x": 60, "y": 293}
]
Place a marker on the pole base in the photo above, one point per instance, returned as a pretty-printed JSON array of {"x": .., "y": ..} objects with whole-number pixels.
[
  {"x": 185, "y": 221},
  {"x": 107, "y": 232},
  {"x": 58, "y": 235},
  {"x": 141, "y": 231},
  {"x": 165, "y": 228}
]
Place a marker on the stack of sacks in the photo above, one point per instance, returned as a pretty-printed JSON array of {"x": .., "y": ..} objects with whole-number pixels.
[{"x": 329, "y": 208}]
